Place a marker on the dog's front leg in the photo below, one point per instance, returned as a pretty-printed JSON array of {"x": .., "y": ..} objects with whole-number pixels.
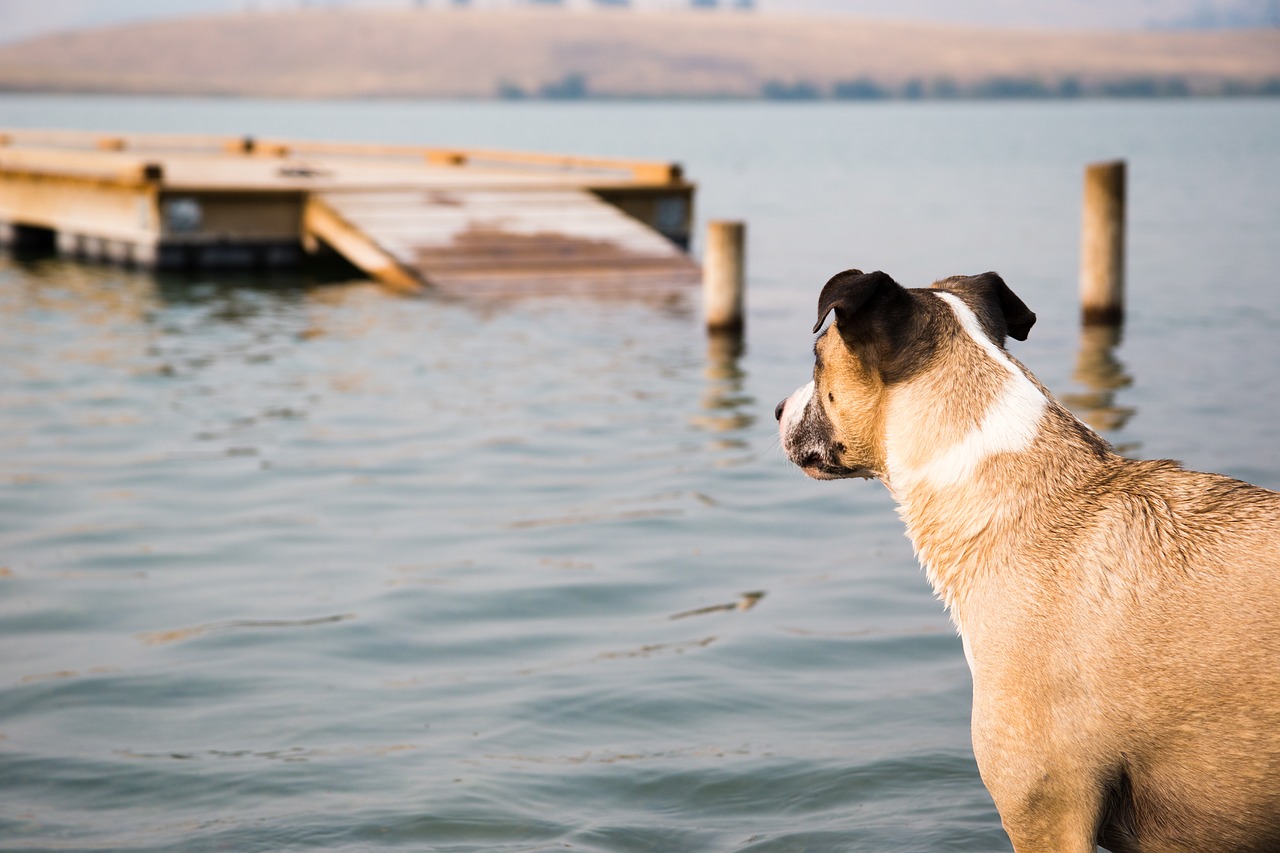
[
  {"x": 1049, "y": 815},
  {"x": 1047, "y": 801},
  {"x": 1051, "y": 830}
]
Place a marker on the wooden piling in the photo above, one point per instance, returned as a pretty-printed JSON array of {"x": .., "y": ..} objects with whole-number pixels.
[
  {"x": 1102, "y": 244},
  {"x": 724, "y": 276}
]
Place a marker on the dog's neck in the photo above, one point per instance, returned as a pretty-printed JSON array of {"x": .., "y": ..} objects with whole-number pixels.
[
  {"x": 972, "y": 492},
  {"x": 974, "y": 531}
]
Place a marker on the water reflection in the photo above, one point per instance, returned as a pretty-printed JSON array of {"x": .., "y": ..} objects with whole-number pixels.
[
  {"x": 62, "y": 287},
  {"x": 725, "y": 408},
  {"x": 126, "y": 303},
  {"x": 231, "y": 296},
  {"x": 1102, "y": 374}
]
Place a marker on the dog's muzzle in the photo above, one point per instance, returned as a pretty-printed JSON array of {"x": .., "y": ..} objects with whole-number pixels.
[{"x": 807, "y": 437}]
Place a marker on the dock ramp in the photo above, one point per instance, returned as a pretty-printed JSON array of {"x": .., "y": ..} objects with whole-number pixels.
[{"x": 494, "y": 240}]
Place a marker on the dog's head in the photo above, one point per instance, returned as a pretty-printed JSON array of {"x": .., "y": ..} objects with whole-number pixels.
[{"x": 932, "y": 361}]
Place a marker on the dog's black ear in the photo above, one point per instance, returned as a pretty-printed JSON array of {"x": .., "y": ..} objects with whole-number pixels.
[
  {"x": 1017, "y": 316},
  {"x": 846, "y": 292},
  {"x": 990, "y": 289}
]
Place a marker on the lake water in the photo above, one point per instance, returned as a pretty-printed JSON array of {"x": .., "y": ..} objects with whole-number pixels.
[{"x": 298, "y": 565}]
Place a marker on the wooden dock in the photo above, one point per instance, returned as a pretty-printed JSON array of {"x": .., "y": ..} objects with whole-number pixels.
[{"x": 415, "y": 218}]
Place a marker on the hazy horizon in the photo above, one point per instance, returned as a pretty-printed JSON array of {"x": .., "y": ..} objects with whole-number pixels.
[{"x": 20, "y": 19}]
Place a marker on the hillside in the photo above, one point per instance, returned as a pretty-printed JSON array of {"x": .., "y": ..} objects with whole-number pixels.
[{"x": 557, "y": 52}]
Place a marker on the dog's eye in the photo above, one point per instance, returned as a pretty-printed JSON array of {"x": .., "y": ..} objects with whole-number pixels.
[{"x": 831, "y": 397}]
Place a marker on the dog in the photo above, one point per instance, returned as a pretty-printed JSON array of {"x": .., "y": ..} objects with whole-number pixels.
[{"x": 1120, "y": 618}]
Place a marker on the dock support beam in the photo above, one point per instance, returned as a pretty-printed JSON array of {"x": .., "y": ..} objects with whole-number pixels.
[
  {"x": 724, "y": 276},
  {"x": 1102, "y": 244}
]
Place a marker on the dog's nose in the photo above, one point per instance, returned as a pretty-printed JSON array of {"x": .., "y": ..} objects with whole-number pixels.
[{"x": 777, "y": 412}]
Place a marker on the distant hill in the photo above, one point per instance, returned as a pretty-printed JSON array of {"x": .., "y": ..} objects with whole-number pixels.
[
  {"x": 439, "y": 52},
  {"x": 24, "y": 19}
]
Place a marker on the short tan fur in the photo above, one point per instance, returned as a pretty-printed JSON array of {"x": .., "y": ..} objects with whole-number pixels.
[{"x": 1121, "y": 618}]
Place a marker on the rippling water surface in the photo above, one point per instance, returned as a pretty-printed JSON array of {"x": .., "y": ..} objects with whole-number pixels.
[{"x": 292, "y": 564}]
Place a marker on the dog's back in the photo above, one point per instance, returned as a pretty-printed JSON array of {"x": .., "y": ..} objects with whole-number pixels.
[{"x": 1187, "y": 643}]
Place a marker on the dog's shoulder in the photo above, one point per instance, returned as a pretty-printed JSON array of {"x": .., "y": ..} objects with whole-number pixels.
[
  {"x": 1160, "y": 519},
  {"x": 1205, "y": 497}
]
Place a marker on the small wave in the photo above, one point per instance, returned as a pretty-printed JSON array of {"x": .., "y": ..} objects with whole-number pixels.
[{"x": 178, "y": 635}]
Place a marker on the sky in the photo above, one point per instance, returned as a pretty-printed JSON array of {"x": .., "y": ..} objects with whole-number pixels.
[{"x": 23, "y": 18}]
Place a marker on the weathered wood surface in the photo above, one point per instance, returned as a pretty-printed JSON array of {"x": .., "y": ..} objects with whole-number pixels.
[{"x": 485, "y": 239}]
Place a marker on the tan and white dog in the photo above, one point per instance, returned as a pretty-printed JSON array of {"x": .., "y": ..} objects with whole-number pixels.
[{"x": 1121, "y": 618}]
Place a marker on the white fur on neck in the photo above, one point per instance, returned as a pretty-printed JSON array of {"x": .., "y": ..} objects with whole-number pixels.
[{"x": 1010, "y": 424}]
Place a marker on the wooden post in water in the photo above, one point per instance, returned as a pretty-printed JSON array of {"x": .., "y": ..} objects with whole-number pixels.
[
  {"x": 723, "y": 276},
  {"x": 1102, "y": 244}
]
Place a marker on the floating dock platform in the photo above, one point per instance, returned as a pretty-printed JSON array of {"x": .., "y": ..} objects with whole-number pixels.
[{"x": 415, "y": 218}]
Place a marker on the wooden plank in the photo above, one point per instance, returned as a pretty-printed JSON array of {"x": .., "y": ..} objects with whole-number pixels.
[
  {"x": 107, "y": 166},
  {"x": 641, "y": 171},
  {"x": 632, "y": 170},
  {"x": 323, "y": 222},
  {"x": 497, "y": 197},
  {"x": 448, "y": 222},
  {"x": 580, "y": 205},
  {"x": 86, "y": 139},
  {"x": 492, "y": 237},
  {"x": 645, "y": 171},
  {"x": 248, "y": 173}
]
